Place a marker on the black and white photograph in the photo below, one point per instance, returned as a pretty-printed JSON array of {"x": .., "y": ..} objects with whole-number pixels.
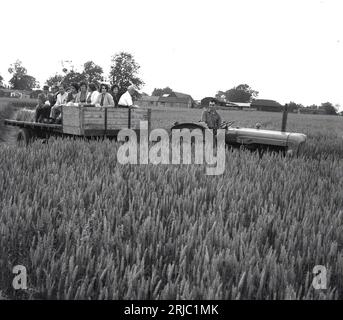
[{"x": 171, "y": 151}]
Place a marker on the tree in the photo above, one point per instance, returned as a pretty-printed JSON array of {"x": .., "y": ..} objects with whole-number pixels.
[
  {"x": 54, "y": 80},
  {"x": 220, "y": 95},
  {"x": 241, "y": 93},
  {"x": 124, "y": 71},
  {"x": 73, "y": 76},
  {"x": 1, "y": 81},
  {"x": 160, "y": 92},
  {"x": 292, "y": 106},
  {"x": 329, "y": 108},
  {"x": 92, "y": 72},
  {"x": 20, "y": 79},
  {"x": 69, "y": 77}
]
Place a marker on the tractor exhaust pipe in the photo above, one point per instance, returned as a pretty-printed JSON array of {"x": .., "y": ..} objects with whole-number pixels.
[{"x": 284, "y": 118}]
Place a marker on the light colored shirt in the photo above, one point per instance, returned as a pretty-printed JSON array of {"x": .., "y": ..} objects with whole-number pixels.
[
  {"x": 108, "y": 100},
  {"x": 94, "y": 96},
  {"x": 125, "y": 100},
  {"x": 61, "y": 99}
]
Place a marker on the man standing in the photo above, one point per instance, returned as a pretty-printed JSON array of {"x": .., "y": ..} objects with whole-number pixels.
[
  {"x": 126, "y": 99},
  {"x": 211, "y": 117}
]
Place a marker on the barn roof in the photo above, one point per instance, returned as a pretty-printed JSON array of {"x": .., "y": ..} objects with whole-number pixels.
[
  {"x": 265, "y": 103},
  {"x": 239, "y": 104},
  {"x": 183, "y": 95},
  {"x": 173, "y": 99}
]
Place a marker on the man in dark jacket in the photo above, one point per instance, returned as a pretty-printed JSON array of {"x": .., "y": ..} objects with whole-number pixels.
[
  {"x": 42, "y": 110},
  {"x": 211, "y": 117}
]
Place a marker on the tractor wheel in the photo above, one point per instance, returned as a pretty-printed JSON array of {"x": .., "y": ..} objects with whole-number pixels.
[{"x": 23, "y": 137}]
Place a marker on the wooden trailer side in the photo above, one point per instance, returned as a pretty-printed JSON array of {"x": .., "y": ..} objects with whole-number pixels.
[{"x": 96, "y": 121}]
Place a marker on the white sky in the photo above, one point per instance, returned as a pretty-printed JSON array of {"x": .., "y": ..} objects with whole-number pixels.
[{"x": 287, "y": 50}]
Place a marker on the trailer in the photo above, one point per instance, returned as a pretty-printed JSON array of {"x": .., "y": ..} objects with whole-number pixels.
[{"x": 86, "y": 122}]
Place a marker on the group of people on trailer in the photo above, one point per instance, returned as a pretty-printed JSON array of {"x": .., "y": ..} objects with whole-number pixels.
[{"x": 50, "y": 104}]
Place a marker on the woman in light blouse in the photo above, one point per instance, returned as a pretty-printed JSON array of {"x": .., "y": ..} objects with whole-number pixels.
[
  {"x": 104, "y": 99},
  {"x": 92, "y": 93}
]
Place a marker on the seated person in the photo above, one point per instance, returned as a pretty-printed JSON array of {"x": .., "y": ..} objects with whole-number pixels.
[
  {"x": 115, "y": 94},
  {"x": 211, "y": 117},
  {"x": 104, "y": 99},
  {"x": 61, "y": 100},
  {"x": 53, "y": 96},
  {"x": 74, "y": 89},
  {"x": 81, "y": 96},
  {"x": 92, "y": 93},
  {"x": 42, "y": 110},
  {"x": 126, "y": 99},
  {"x": 46, "y": 92}
]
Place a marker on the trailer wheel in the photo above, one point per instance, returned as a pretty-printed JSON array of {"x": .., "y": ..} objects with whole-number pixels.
[{"x": 23, "y": 137}]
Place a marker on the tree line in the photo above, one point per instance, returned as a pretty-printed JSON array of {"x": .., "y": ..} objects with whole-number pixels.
[
  {"x": 244, "y": 93},
  {"x": 123, "y": 72}
]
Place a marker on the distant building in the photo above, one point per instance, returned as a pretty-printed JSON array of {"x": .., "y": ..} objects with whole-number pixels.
[
  {"x": 174, "y": 100},
  {"x": 12, "y": 93},
  {"x": 228, "y": 104},
  {"x": 240, "y": 105},
  {"x": 310, "y": 110},
  {"x": 147, "y": 101},
  {"x": 205, "y": 101},
  {"x": 266, "y": 105}
]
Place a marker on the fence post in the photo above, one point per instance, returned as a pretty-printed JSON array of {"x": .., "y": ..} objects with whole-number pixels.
[{"x": 284, "y": 118}]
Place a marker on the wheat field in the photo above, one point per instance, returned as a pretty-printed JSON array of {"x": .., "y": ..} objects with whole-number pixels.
[{"x": 87, "y": 227}]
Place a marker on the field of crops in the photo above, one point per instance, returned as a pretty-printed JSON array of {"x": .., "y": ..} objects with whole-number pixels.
[{"x": 87, "y": 227}]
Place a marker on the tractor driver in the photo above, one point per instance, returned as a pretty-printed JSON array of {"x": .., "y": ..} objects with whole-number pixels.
[{"x": 211, "y": 117}]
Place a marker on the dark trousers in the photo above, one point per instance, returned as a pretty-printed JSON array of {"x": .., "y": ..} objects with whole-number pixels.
[{"x": 42, "y": 112}]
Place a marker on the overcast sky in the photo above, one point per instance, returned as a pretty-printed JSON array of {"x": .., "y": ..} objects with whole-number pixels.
[{"x": 286, "y": 50}]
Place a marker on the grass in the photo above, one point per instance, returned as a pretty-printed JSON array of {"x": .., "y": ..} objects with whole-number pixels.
[
  {"x": 6, "y": 112},
  {"x": 87, "y": 227}
]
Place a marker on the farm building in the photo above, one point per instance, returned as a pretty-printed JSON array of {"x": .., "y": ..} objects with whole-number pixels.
[
  {"x": 147, "y": 101},
  {"x": 205, "y": 102},
  {"x": 241, "y": 104},
  {"x": 229, "y": 104},
  {"x": 319, "y": 110},
  {"x": 175, "y": 99},
  {"x": 266, "y": 105},
  {"x": 12, "y": 93}
]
